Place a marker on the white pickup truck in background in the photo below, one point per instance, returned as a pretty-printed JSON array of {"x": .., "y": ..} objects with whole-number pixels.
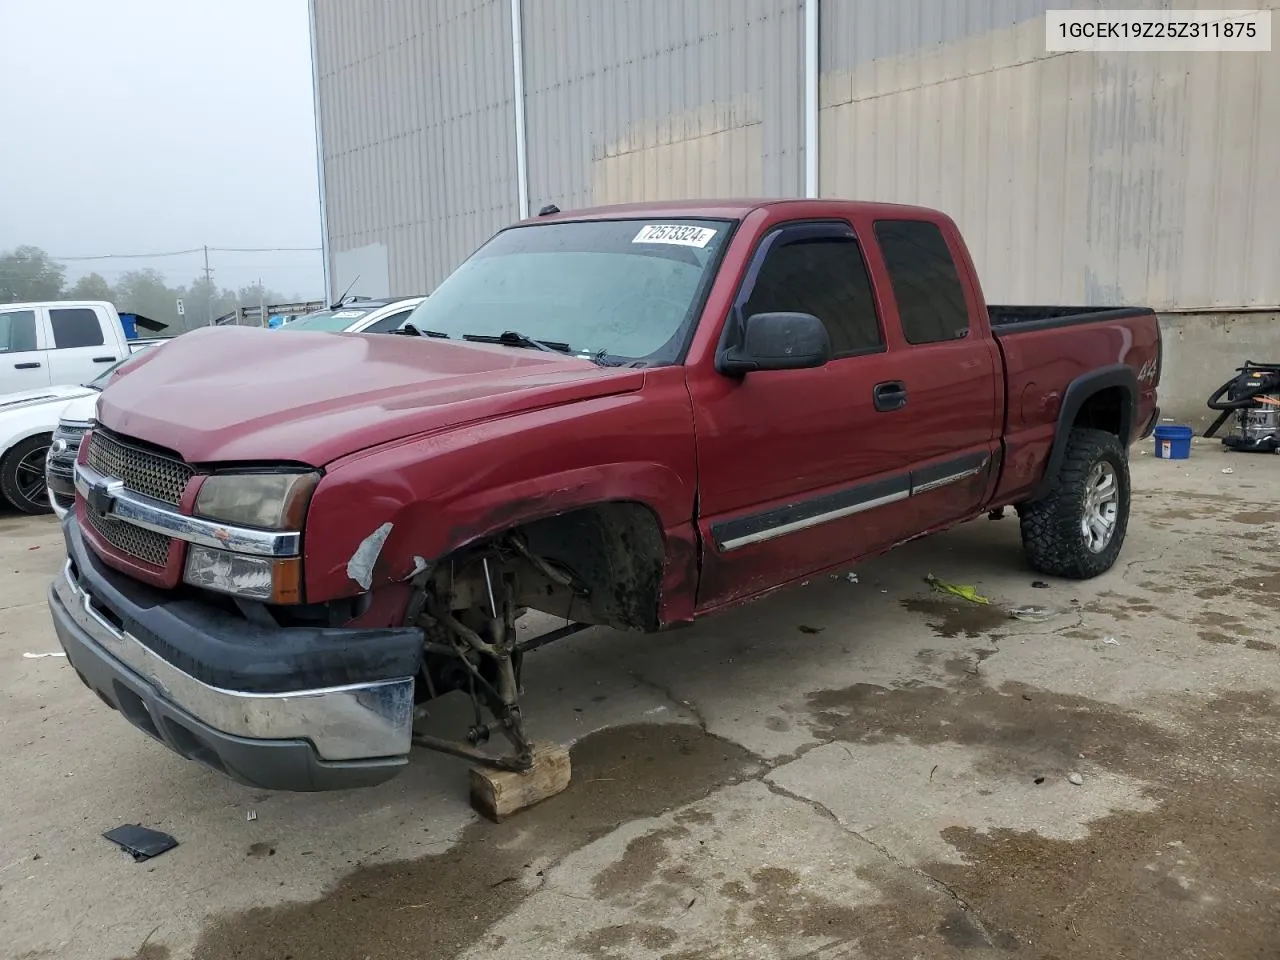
[{"x": 61, "y": 342}]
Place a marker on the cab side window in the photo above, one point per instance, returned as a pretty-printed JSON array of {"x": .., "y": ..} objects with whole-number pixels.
[
  {"x": 826, "y": 277},
  {"x": 926, "y": 284},
  {"x": 75, "y": 327},
  {"x": 17, "y": 331}
]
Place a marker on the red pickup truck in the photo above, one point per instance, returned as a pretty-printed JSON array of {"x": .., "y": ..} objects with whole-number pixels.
[{"x": 633, "y": 416}]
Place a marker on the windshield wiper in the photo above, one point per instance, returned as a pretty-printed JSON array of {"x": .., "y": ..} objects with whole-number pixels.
[
  {"x": 513, "y": 338},
  {"x": 603, "y": 358},
  {"x": 409, "y": 330}
]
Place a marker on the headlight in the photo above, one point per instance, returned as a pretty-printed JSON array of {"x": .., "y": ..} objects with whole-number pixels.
[
  {"x": 276, "y": 501},
  {"x": 257, "y": 578}
]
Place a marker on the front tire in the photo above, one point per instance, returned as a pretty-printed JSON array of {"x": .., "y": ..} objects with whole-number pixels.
[
  {"x": 22, "y": 478},
  {"x": 1078, "y": 529}
]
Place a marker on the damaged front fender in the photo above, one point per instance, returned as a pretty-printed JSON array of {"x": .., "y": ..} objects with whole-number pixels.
[
  {"x": 376, "y": 512},
  {"x": 360, "y": 566}
]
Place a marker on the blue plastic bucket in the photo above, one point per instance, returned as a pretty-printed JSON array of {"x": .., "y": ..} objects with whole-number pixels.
[{"x": 1173, "y": 443}]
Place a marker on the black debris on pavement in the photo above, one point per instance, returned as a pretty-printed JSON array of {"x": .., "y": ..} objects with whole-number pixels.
[{"x": 141, "y": 843}]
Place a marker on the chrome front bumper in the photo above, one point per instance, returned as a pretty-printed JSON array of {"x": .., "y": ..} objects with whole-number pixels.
[{"x": 327, "y": 738}]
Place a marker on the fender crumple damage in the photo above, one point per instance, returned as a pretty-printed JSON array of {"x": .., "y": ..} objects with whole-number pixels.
[
  {"x": 360, "y": 566},
  {"x": 377, "y": 511}
]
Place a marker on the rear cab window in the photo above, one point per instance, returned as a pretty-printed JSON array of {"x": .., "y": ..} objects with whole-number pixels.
[
  {"x": 17, "y": 331},
  {"x": 926, "y": 283},
  {"x": 75, "y": 327}
]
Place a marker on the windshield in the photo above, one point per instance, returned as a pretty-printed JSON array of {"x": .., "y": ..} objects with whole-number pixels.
[
  {"x": 333, "y": 321},
  {"x": 625, "y": 288}
]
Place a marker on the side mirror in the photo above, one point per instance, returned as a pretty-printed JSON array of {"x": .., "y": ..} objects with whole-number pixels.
[{"x": 777, "y": 341}]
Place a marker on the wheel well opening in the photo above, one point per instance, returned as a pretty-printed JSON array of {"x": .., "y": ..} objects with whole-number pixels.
[
  {"x": 46, "y": 437},
  {"x": 1104, "y": 410},
  {"x": 615, "y": 552}
]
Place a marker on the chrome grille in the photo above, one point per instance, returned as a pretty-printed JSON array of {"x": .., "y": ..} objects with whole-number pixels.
[
  {"x": 146, "y": 545},
  {"x": 142, "y": 471}
]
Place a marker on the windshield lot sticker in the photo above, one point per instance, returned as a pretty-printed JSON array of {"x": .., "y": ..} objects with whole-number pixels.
[
  {"x": 682, "y": 236},
  {"x": 349, "y": 314}
]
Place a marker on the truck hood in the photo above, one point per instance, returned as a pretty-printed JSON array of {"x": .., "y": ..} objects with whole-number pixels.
[
  {"x": 224, "y": 394},
  {"x": 51, "y": 395}
]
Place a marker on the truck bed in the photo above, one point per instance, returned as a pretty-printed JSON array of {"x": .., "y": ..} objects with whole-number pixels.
[{"x": 1009, "y": 319}]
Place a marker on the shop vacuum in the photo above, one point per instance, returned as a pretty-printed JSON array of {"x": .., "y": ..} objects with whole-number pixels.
[{"x": 1252, "y": 396}]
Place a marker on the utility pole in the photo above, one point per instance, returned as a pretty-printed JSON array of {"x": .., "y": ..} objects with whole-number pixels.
[{"x": 208, "y": 287}]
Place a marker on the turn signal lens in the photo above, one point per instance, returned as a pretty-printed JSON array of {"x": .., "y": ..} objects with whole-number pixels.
[{"x": 254, "y": 578}]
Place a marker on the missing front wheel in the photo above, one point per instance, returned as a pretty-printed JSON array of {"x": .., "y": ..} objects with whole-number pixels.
[
  {"x": 469, "y": 622},
  {"x": 467, "y": 608}
]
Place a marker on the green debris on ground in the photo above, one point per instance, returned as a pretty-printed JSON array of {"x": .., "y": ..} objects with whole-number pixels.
[{"x": 962, "y": 590}]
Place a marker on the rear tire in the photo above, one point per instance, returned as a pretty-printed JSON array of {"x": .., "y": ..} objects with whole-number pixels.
[
  {"x": 1078, "y": 529},
  {"x": 22, "y": 479}
]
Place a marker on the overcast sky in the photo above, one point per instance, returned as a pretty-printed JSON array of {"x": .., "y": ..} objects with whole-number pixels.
[{"x": 133, "y": 126}]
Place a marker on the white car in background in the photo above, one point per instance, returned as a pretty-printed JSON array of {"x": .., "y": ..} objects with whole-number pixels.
[
  {"x": 28, "y": 421},
  {"x": 381, "y": 315}
]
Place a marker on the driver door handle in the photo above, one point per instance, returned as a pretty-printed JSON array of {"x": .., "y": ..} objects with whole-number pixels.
[
  {"x": 888, "y": 396},
  {"x": 25, "y": 366}
]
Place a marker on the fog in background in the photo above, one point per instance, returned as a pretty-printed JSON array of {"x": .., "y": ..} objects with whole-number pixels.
[{"x": 137, "y": 126}]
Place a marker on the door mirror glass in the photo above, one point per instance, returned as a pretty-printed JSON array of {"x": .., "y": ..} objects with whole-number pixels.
[{"x": 778, "y": 341}]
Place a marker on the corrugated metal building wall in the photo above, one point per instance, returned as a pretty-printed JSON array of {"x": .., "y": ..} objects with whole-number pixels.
[
  {"x": 1096, "y": 178},
  {"x": 649, "y": 100},
  {"x": 414, "y": 108}
]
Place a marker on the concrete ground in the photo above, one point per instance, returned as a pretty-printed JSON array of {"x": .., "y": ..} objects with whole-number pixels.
[{"x": 848, "y": 769}]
